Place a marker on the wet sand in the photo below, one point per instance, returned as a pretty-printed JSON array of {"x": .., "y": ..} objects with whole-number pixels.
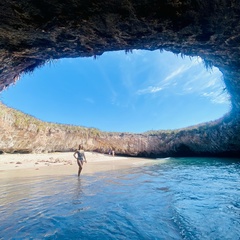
[{"x": 28, "y": 165}]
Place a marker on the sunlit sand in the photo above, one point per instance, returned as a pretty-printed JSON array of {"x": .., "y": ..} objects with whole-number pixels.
[{"x": 28, "y": 165}]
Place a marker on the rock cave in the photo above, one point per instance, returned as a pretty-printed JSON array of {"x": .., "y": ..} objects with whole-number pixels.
[{"x": 35, "y": 32}]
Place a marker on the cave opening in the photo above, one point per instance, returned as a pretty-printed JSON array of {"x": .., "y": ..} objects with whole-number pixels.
[{"x": 121, "y": 91}]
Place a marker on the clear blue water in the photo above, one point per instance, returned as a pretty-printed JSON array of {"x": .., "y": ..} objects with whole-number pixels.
[{"x": 184, "y": 198}]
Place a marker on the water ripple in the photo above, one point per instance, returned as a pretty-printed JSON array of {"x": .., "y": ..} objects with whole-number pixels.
[{"x": 184, "y": 198}]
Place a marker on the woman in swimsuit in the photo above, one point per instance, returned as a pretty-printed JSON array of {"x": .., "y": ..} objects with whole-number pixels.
[{"x": 80, "y": 156}]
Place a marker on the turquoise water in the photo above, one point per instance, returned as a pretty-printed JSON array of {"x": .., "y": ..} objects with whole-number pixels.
[{"x": 184, "y": 198}]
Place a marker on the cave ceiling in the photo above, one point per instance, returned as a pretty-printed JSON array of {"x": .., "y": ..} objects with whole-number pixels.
[{"x": 34, "y": 32}]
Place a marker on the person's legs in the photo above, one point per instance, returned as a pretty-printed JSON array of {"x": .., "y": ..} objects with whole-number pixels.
[
  {"x": 80, "y": 167},
  {"x": 79, "y": 171}
]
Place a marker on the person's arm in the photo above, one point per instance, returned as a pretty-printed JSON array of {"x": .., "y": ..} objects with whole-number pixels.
[{"x": 75, "y": 155}]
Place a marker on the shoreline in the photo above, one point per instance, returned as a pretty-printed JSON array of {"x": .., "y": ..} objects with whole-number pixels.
[{"x": 30, "y": 165}]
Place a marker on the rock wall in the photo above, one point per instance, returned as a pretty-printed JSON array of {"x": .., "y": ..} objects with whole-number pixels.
[
  {"x": 34, "y": 32},
  {"x": 21, "y": 133}
]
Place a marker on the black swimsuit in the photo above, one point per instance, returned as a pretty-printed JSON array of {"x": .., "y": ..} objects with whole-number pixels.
[{"x": 80, "y": 155}]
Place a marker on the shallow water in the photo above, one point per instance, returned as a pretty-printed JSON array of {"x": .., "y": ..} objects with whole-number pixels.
[{"x": 177, "y": 198}]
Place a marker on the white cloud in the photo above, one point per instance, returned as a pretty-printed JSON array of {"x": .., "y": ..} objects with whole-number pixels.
[
  {"x": 217, "y": 97},
  {"x": 175, "y": 73},
  {"x": 187, "y": 77},
  {"x": 203, "y": 83},
  {"x": 166, "y": 83},
  {"x": 221, "y": 99},
  {"x": 155, "y": 89},
  {"x": 183, "y": 68},
  {"x": 150, "y": 89}
]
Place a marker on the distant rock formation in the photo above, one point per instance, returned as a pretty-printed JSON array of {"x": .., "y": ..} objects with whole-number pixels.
[
  {"x": 34, "y": 32},
  {"x": 22, "y": 133}
]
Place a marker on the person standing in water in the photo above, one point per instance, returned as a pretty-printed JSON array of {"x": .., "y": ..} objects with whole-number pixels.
[{"x": 80, "y": 156}]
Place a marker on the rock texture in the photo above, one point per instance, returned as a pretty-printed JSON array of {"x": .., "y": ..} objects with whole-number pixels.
[
  {"x": 34, "y": 32},
  {"x": 22, "y": 133}
]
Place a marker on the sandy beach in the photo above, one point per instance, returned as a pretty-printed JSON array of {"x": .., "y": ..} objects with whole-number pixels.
[{"x": 26, "y": 165}]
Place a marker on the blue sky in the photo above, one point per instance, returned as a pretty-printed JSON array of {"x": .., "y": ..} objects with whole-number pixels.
[{"x": 133, "y": 92}]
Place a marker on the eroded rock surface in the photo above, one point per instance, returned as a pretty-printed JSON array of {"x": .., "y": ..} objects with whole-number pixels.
[
  {"x": 22, "y": 133},
  {"x": 33, "y": 32}
]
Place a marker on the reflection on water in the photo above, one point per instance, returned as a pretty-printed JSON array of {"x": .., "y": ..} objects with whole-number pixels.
[{"x": 184, "y": 198}]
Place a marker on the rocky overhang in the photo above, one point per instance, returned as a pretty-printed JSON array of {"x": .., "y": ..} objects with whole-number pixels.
[{"x": 35, "y": 32}]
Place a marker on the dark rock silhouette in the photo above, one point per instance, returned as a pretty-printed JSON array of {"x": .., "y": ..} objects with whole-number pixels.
[{"x": 35, "y": 32}]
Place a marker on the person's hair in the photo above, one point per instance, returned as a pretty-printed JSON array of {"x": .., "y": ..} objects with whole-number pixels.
[{"x": 80, "y": 147}]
